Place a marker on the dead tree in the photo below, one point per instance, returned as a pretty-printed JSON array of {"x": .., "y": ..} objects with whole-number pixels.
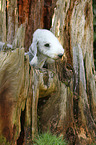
[{"x": 66, "y": 95}]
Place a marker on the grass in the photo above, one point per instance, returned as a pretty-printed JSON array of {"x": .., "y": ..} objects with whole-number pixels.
[{"x": 49, "y": 139}]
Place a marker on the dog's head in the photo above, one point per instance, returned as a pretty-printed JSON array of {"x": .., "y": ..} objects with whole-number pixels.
[{"x": 45, "y": 43}]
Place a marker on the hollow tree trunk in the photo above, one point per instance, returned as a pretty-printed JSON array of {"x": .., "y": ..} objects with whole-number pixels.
[
  {"x": 73, "y": 111},
  {"x": 70, "y": 103}
]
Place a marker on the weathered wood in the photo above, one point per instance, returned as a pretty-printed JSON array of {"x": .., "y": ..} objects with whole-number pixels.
[
  {"x": 67, "y": 111},
  {"x": 4, "y": 46},
  {"x": 9, "y": 24},
  {"x": 74, "y": 27},
  {"x": 19, "y": 39},
  {"x": 17, "y": 42},
  {"x": 12, "y": 18},
  {"x": 44, "y": 83},
  {"x": 3, "y": 20},
  {"x": 15, "y": 82},
  {"x": 23, "y": 10},
  {"x": 11, "y": 81},
  {"x": 80, "y": 34},
  {"x": 35, "y": 20}
]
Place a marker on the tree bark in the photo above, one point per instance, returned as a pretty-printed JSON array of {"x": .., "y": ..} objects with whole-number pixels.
[
  {"x": 11, "y": 81},
  {"x": 12, "y": 20},
  {"x": 8, "y": 20},
  {"x": 65, "y": 91},
  {"x": 3, "y": 21},
  {"x": 16, "y": 88},
  {"x": 74, "y": 28}
]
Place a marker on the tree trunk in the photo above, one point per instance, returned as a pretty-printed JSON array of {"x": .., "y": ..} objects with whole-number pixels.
[
  {"x": 65, "y": 91},
  {"x": 2, "y": 20},
  {"x": 19, "y": 90},
  {"x": 9, "y": 24},
  {"x": 12, "y": 21},
  {"x": 76, "y": 119}
]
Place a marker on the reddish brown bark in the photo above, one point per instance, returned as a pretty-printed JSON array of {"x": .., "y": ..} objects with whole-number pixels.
[
  {"x": 23, "y": 6},
  {"x": 37, "y": 14}
]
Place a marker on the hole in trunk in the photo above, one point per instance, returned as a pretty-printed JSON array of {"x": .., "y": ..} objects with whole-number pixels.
[
  {"x": 20, "y": 140},
  {"x": 41, "y": 103},
  {"x": 75, "y": 108},
  {"x": 70, "y": 135}
]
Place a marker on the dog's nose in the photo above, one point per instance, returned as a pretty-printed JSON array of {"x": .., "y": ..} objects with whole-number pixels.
[{"x": 60, "y": 55}]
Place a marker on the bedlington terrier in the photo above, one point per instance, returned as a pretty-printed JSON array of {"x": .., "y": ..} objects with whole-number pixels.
[{"x": 45, "y": 47}]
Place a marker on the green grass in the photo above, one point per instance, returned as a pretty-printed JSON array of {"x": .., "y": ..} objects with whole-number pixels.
[{"x": 49, "y": 139}]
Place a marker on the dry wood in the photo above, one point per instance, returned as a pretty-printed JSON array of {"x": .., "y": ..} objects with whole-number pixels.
[
  {"x": 3, "y": 20},
  {"x": 12, "y": 19},
  {"x": 15, "y": 82},
  {"x": 74, "y": 27},
  {"x": 11, "y": 81},
  {"x": 67, "y": 111}
]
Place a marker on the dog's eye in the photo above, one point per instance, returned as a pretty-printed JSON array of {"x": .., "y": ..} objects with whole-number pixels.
[{"x": 47, "y": 45}]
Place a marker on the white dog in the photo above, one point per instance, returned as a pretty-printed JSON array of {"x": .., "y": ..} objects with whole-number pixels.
[{"x": 45, "y": 47}]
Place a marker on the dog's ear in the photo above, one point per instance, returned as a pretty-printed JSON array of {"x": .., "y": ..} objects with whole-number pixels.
[{"x": 33, "y": 48}]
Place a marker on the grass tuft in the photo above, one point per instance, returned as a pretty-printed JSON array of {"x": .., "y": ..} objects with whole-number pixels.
[{"x": 49, "y": 139}]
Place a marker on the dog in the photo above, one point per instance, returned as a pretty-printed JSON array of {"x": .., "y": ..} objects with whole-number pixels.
[{"x": 45, "y": 47}]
